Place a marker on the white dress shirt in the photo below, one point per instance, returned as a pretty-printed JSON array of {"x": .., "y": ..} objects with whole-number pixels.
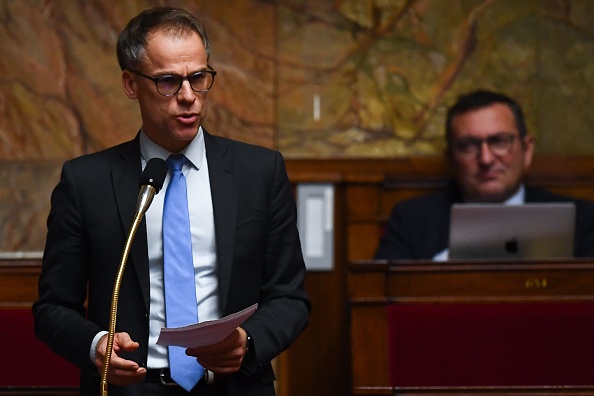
[{"x": 195, "y": 171}]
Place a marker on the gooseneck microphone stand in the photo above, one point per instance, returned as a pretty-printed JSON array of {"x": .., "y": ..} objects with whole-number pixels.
[{"x": 151, "y": 182}]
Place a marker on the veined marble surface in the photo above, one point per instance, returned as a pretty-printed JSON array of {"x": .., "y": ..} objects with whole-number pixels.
[{"x": 311, "y": 78}]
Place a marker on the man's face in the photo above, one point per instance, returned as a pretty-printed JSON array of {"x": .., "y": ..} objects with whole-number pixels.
[
  {"x": 170, "y": 121},
  {"x": 489, "y": 172}
]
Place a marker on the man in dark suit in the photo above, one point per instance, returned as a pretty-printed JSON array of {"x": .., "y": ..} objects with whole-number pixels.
[
  {"x": 489, "y": 150},
  {"x": 245, "y": 244}
]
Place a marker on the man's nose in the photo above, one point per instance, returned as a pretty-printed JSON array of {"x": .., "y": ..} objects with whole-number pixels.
[
  {"x": 485, "y": 154},
  {"x": 185, "y": 92}
]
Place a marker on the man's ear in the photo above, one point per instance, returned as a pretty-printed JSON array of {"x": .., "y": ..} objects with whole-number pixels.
[
  {"x": 129, "y": 83},
  {"x": 528, "y": 144}
]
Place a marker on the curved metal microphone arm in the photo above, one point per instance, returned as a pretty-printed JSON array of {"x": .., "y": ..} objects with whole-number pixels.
[{"x": 145, "y": 198}]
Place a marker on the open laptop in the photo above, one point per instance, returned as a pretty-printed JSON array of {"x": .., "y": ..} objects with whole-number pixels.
[{"x": 497, "y": 231}]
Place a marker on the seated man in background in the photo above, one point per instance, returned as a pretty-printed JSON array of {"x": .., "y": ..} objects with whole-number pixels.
[{"x": 490, "y": 151}]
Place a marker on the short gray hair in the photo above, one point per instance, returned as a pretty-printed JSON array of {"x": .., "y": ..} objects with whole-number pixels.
[{"x": 131, "y": 46}]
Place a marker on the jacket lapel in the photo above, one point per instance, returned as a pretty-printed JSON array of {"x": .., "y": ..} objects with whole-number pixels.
[
  {"x": 224, "y": 203},
  {"x": 125, "y": 176}
]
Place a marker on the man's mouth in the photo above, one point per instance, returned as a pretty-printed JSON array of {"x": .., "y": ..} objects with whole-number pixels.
[
  {"x": 189, "y": 118},
  {"x": 489, "y": 175}
]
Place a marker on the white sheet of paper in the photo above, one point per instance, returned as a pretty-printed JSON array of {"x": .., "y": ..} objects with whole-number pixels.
[{"x": 205, "y": 333}]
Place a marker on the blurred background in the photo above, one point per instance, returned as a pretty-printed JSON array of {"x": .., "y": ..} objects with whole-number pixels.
[{"x": 311, "y": 78}]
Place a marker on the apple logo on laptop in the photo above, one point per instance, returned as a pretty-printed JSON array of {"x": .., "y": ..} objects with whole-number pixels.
[{"x": 511, "y": 246}]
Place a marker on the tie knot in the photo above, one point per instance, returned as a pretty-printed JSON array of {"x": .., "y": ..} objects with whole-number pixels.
[{"x": 176, "y": 162}]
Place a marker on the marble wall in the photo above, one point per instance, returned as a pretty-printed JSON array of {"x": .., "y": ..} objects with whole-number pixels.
[
  {"x": 384, "y": 72},
  {"x": 312, "y": 78},
  {"x": 61, "y": 95}
]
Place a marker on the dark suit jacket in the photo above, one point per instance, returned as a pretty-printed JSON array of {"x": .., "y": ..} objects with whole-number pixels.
[
  {"x": 419, "y": 228},
  {"x": 258, "y": 254}
]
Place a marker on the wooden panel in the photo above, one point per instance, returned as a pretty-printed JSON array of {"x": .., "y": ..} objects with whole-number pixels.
[
  {"x": 395, "y": 189},
  {"x": 317, "y": 363},
  {"x": 381, "y": 282},
  {"x": 361, "y": 201},
  {"x": 373, "y": 285},
  {"x": 369, "y": 334},
  {"x": 18, "y": 282},
  {"x": 366, "y": 170},
  {"x": 362, "y": 240},
  {"x": 513, "y": 284},
  {"x": 465, "y": 281}
]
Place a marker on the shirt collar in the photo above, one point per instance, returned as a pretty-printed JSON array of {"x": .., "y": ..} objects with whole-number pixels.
[
  {"x": 518, "y": 198},
  {"x": 194, "y": 151}
]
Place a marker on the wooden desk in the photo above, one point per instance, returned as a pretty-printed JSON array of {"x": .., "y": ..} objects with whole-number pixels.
[{"x": 373, "y": 286}]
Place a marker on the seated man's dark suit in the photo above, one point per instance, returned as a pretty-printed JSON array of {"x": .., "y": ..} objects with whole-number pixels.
[{"x": 419, "y": 228}]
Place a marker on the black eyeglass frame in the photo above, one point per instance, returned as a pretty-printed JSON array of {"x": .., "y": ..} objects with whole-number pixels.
[
  {"x": 156, "y": 80},
  {"x": 475, "y": 144}
]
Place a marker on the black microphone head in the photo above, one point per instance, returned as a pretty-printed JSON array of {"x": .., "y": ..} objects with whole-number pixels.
[{"x": 154, "y": 173}]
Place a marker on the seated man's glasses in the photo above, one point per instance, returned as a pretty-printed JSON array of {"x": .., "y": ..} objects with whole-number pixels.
[
  {"x": 170, "y": 84},
  {"x": 499, "y": 144}
]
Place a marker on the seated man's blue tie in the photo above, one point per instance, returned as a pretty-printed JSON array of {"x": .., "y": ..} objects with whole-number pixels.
[{"x": 178, "y": 269}]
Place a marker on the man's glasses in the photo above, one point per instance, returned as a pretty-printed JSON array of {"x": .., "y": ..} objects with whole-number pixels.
[
  {"x": 499, "y": 144},
  {"x": 170, "y": 84}
]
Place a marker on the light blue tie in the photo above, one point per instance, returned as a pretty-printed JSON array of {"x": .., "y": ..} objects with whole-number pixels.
[{"x": 178, "y": 269}]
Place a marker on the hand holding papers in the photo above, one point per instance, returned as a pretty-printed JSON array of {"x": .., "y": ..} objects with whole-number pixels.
[{"x": 205, "y": 333}]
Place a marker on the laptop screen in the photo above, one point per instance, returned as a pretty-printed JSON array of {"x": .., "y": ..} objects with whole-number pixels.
[{"x": 497, "y": 231}]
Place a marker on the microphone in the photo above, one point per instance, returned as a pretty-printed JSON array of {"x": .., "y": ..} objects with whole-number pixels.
[{"x": 151, "y": 181}]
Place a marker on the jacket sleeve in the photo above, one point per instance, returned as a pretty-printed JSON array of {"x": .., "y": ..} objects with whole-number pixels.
[
  {"x": 284, "y": 306},
  {"x": 60, "y": 312}
]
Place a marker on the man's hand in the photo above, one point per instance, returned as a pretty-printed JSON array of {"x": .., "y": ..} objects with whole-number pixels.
[
  {"x": 224, "y": 357},
  {"x": 121, "y": 371}
]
